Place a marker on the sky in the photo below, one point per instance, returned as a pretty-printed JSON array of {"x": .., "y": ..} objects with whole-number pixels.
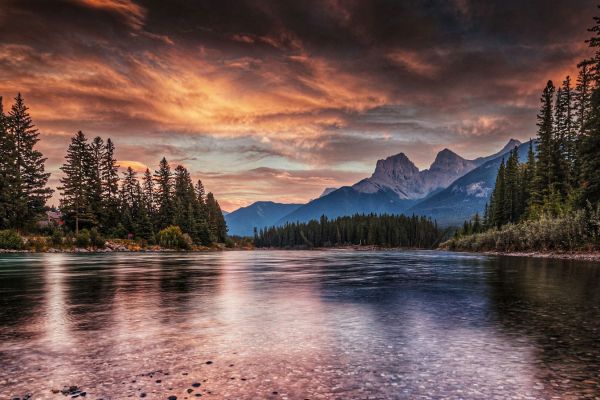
[{"x": 277, "y": 100}]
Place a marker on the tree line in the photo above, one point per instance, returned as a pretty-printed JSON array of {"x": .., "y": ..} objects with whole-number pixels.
[
  {"x": 561, "y": 173},
  {"x": 93, "y": 195},
  {"x": 23, "y": 179},
  {"x": 372, "y": 230}
]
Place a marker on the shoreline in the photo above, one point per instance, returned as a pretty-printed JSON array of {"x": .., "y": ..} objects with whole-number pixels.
[
  {"x": 112, "y": 247},
  {"x": 593, "y": 256},
  {"x": 116, "y": 247}
]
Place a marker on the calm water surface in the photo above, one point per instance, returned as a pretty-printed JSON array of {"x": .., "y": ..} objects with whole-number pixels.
[{"x": 299, "y": 325}]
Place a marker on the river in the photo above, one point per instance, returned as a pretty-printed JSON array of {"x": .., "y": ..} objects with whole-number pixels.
[{"x": 334, "y": 324}]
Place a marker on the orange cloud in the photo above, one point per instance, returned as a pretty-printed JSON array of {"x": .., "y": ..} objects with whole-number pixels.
[
  {"x": 128, "y": 9},
  {"x": 135, "y": 165}
]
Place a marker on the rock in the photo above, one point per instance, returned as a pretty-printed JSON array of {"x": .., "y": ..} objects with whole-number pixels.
[
  {"x": 142, "y": 394},
  {"x": 209, "y": 362},
  {"x": 172, "y": 398},
  {"x": 196, "y": 384},
  {"x": 190, "y": 390}
]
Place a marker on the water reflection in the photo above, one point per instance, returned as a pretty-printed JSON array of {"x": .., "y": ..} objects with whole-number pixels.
[{"x": 330, "y": 324}]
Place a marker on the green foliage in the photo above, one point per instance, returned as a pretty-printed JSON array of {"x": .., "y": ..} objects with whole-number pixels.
[
  {"x": 57, "y": 237},
  {"x": 10, "y": 240},
  {"x": 578, "y": 230},
  {"x": 173, "y": 237},
  {"x": 83, "y": 238},
  {"x": 23, "y": 180},
  {"x": 37, "y": 243},
  {"x": 96, "y": 239},
  {"x": 372, "y": 229}
]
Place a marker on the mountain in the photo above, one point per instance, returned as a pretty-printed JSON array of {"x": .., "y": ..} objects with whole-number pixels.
[
  {"x": 512, "y": 143},
  {"x": 348, "y": 201},
  {"x": 327, "y": 191},
  {"x": 260, "y": 214},
  {"x": 398, "y": 174},
  {"x": 395, "y": 186},
  {"x": 467, "y": 195}
]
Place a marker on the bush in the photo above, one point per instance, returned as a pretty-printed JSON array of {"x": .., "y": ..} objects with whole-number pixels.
[
  {"x": 573, "y": 231},
  {"x": 57, "y": 237},
  {"x": 82, "y": 239},
  {"x": 95, "y": 238},
  {"x": 173, "y": 238},
  {"x": 37, "y": 244},
  {"x": 10, "y": 240}
]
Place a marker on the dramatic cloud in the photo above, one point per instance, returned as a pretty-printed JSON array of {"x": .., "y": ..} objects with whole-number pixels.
[{"x": 278, "y": 99}]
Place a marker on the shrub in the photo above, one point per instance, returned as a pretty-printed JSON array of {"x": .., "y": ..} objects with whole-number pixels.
[
  {"x": 572, "y": 231},
  {"x": 10, "y": 240},
  {"x": 95, "y": 239},
  {"x": 82, "y": 239},
  {"x": 37, "y": 243},
  {"x": 173, "y": 238},
  {"x": 57, "y": 237}
]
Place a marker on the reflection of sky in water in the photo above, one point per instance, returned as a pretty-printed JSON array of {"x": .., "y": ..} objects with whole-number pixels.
[{"x": 332, "y": 324}]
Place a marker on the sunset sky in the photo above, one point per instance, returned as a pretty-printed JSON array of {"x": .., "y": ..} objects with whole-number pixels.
[{"x": 276, "y": 100}]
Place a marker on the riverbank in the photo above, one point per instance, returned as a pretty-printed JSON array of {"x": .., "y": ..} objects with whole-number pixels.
[
  {"x": 120, "y": 246},
  {"x": 593, "y": 256}
]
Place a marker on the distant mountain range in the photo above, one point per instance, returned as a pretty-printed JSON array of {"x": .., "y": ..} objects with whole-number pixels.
[
  {"x": 451, "y": 190},
  {"x": 260, "y": 214},
  {"x": 465, "y": 196}
]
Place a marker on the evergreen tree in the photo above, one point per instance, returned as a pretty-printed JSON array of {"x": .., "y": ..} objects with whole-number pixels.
[
  {"x": 110, "y": 186},
  {"x": 185, "y": 203},
  {"x": 583, "y": 91},
  {"x": 512, "y": 193},
  {"x": 31, "y": 177},
  {"x": 202, "y": 214},
  {"x": 148, "y": 192},
  {"x": 95, "y": 179},
  {"x": 130, "y": 200},
  {"x": 498, "y": 205},
  {"x": 544, "y": 178},
  {"x": 216, "y": 221},
  {"x": 9, "y": 196},
  {"x": 590, "y": 148},
  {"x": 75, "y": 202},
  {"x": 164, "y": 182},
  {"x": 528, "y": 187}
]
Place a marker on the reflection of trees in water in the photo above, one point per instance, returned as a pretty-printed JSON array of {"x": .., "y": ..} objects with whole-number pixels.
[
  {"x": 22, "y": 290},
  {"x": 90, "y": 287},
  {"x": 555, "y": 304},
  {"x": 182, "y": 279}
]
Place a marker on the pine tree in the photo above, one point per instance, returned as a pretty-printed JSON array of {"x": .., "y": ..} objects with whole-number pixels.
[
  {"x": 590, "y": 148},
  {"x": 31, "y": 177},
  {"x": 130, "y": 200},
  {"x": 164, "y": 182},
  {"x": 185, "y": 203},
  {"x": 75, "y": 203},
  {"x": 216, "y": 221},
  {"x": 110, "y": 186},
  {"x": 498, "y": 210},
  {"x": 8, "y": 185},
  {"x": 512, "y": 193},
  {"x": 95, "y": 179},
  {"x": 544, "y": 178},
  {"x": 148, "y": 192},
  {"x": 528, "y": 187},
  {"x": 582, "y": 97},
  {"x": 201, "y": 212}
]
